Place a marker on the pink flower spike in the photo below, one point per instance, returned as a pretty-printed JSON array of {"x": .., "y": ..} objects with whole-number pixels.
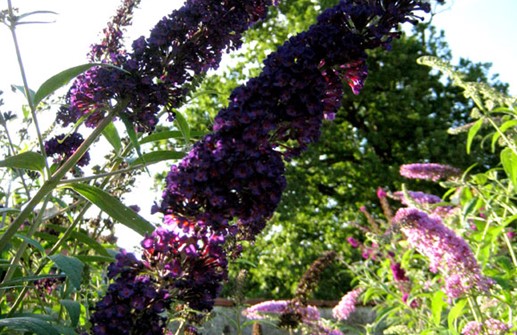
[
  {"x": 447, "y": 252},
  {"x": 347, "y": 305}
]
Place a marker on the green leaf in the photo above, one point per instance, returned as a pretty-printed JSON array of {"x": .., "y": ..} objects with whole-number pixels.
[
  {"x": 9, "y": 211},
  {"x": 455, "y": 312},
  {"x": 71, "y": 266},
  {"x": 113, "y": 207},
  {"x": 21, "y": 89},
  {"x": 111, "y": 134},
  {"x": 156, "y": 157},
  {"x": 472, "y": 133},
  {"x": 32, "y": 242},
  {"x": 183, "y": 126},
  {"x": 509, "y": 161},
  {"x": 437, "y": 303},
  {"x": 82, "y": 237},
  {"x": 25, "y": 279},
  {"x": 172, "y": 134},
  {"x": 26, "y": 160},
  {"x": 74, "y": 310},
  {"x": 29, "y": 324},
  {"x": 504, "y": 127},
  {"x": 133, "y": 137},
  {"x": 61, "y": 79},
  {"x": 95, "y": 259}
]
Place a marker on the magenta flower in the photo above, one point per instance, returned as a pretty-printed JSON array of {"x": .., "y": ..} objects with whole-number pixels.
[
  {"x": 347, "y": 305},
  {"x": 381, "y": 193},
  {"x": 447, "y": 252},
  {"x": 492, "y": 327},
  {"x": 398, "y": 272},
  {"x": 353, "y": 242},
  {"x": 428, "y": 171}
]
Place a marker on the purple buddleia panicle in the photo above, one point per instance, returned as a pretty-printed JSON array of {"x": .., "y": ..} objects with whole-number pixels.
[
  {"x": 157, "y": 71},
  {"x": 237, "y": 172},
  {"x": 399, "y": 274},
  {"x": 133, "y": 303},
  {"x": 428, "y": 171},
  {"x": 447, "y": 252},
  {"x": 346, "y": 305},
  {"x": 63, "y": 146},
  {"x": 227, "y": 187},
  {"x": 111, "y": 50},
  {"x": 488, "y": 327},
  {"x": 189, "y": 260},
  {"x": 416, "y": 197}
]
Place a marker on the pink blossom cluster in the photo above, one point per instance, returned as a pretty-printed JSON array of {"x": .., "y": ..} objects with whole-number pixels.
[
  {"x": 446, "y": 251},
  {"x": 346, "y": 306},
  {"x": 428, "y": 171},
  {"x": 492, "y": 327}
]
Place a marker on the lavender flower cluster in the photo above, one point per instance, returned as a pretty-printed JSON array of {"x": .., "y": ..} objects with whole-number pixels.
[
  {"x": 428, "y": 171},
  {"x": 156, "y": 72},
  {"x": 309, "y": 316},
  {"x": 488, "y": 327},
  {"x": 447, "y": 252}
]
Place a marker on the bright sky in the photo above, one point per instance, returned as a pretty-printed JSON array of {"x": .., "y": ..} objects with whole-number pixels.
[{"x": 481, "y": 30}]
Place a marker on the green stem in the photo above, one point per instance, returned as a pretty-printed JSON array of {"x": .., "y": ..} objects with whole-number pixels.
[
  {"x": 101, "y": 175},
  {"x": 54, "y": 180},
  {"x": 21, "y": 249},
  {"x": 475, "y": 309},
  {"x": 12, "y": 151},
  {"x": 12, "y": 28}
]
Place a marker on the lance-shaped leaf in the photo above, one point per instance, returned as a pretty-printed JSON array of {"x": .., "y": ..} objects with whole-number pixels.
[
  {"x": 156, "y": 157},
  {"x": 74, "y": 310},
  {"x": 61, "y": 79},
  {"x": 111, "y": 134},
  {"x": 26, "y": 160},
  {"x": 71, "y": 266},
  {"x": 171, "y": 134},
  {"x": 29, "y": 324},
  {"x": 509, "y": 160},
  {"x": 113, "y": 207}
]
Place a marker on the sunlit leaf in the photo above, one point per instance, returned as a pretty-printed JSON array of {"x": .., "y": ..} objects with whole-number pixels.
[
  {"x": 172, "y": 134},
  {"x": 156, "y": 157},
  {"x": 472, "y": 133},
  {"x": 61, "y": 79},
  {"x": 26, "y": 160},
  {"x": 113, "y": 207},
  {"x": 183, "y": 126},
  {"x": 111, "y": 134},
  {"x": 509, "y": 161}
]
